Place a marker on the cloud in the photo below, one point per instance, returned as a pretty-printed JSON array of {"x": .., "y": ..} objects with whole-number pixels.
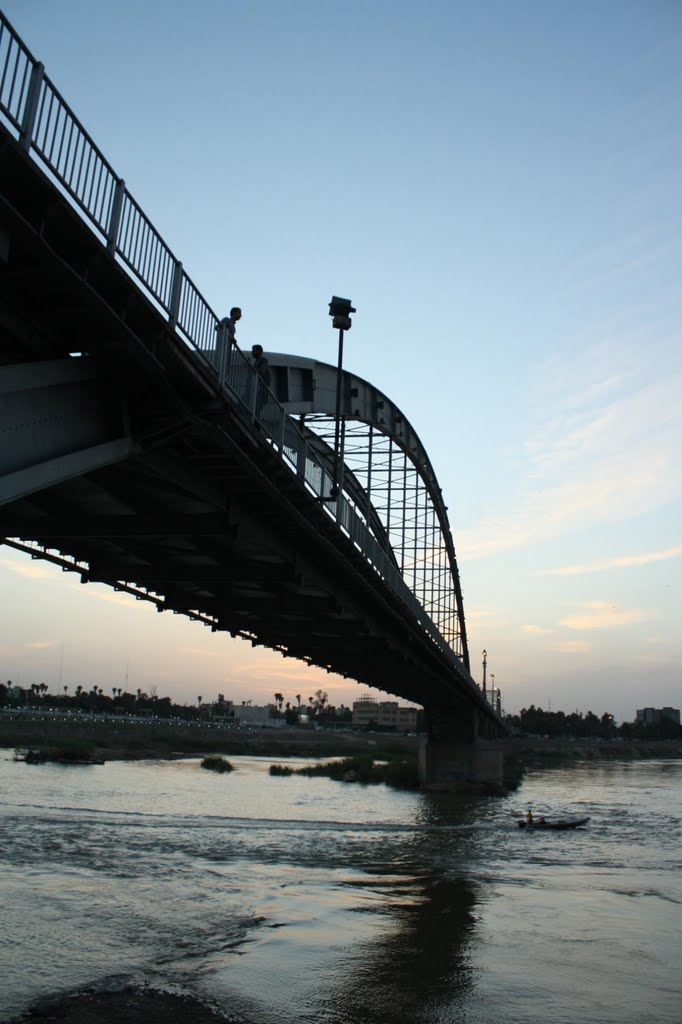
[
  {"x": 604, "y": 615},
  {"x": 538, "y": 630},
  {"x": 609, "y": 450},
  {"x": 32, "y": 568},
  {"x": 572, "y": 647},
  {"x": 623, "y": 562},
  {"x": 39, "y": 644},
  {"x": 201, "y": 652},
  {"x": 611, "y": 262},
  {"x": 476, "y": 616},
  {"x": 113, "y": 596}
]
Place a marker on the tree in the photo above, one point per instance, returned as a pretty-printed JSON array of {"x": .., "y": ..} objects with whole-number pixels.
[
  {"x": 279, "y": 700},
  {"x": 321, "y": 698}
]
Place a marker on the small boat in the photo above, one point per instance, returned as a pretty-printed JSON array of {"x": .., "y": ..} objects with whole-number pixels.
[{"x": 557, "y": 823}]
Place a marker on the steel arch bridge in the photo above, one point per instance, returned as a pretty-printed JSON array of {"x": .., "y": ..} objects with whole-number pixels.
[{"x": 141, "y": 408}]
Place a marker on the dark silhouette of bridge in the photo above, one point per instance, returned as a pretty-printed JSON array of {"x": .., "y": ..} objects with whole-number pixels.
[{"x": 136, "y": 450}]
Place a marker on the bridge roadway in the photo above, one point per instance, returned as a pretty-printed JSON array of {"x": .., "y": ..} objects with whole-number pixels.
[{"x": 123, "y": 459}]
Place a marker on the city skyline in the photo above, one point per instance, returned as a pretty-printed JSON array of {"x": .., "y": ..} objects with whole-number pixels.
[{"x": 497, "y": 191}]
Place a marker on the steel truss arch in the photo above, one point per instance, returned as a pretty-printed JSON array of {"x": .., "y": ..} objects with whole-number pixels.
[{"x": 387, "y": 474}]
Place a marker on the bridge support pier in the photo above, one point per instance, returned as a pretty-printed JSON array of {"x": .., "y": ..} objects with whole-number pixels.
[{"x": 456, "y": 754}]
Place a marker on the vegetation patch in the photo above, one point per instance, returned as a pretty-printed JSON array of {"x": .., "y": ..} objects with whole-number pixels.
[
  {"x": 73, "y": 752},
  {"x": 215, "y": 763},
  {"x": 362, "y": 768}
]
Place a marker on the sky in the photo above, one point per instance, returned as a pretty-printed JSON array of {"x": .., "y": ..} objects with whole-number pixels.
[{"x": 497, "y": 188}]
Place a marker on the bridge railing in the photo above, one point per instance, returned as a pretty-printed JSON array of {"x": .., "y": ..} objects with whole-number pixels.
[{"x": 47, "y": 127}]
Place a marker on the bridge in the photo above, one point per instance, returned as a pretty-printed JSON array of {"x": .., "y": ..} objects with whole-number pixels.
[{"x": 139, "y": 449}]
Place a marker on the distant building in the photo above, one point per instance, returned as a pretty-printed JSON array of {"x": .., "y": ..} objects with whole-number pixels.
[
  {"x": 654, "y": 716},
  {"x": 384, "y": 714},
  {"x": 222, "y": 710},
  {"x": 248, "y": 714}
]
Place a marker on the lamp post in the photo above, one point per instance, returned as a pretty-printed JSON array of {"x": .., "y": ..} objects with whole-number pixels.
[
  {"x": 339, "y": 310},
  {"x": 485, "y": 662}
]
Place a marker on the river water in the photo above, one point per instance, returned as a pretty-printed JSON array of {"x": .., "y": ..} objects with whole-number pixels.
[{"x": 294, "y": 900}]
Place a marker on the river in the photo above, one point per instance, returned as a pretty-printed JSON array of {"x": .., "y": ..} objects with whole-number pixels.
[{"x": 294, "y": 900}]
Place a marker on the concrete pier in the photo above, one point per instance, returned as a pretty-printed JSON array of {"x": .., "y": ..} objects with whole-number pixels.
[{"x": 456, "y": 754}]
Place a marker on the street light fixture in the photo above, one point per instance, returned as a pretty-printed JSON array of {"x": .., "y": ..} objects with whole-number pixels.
[{"x": 340, "y": 311}]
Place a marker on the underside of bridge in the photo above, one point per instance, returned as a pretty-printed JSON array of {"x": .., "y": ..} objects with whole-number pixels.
[{"x": 124, "y": 459}]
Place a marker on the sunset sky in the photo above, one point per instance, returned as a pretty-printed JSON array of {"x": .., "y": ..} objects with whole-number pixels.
[{"x": 496, "y": 186}]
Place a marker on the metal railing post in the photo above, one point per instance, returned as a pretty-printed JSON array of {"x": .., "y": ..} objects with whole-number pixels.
[
  {"x": 115, "y": 215},
  {"x": 31, "y": 109},
  {"x": 176, "y": 291},
  {"x": 221, "y": 356},
  {"x": 254, "y": 395},
  {"x": 301, "y": 454}
]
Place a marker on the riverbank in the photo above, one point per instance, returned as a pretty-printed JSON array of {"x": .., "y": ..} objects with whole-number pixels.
[
  {"x": 535, "y": 748},
  {"x": 104, "y": 739},
  {"x": 107, "y": 740}
]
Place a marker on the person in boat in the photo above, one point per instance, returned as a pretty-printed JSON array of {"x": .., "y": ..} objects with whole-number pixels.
[{"x": 529, "y": 817}]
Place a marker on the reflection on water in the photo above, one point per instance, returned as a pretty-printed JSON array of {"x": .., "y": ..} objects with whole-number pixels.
[
  {"x": 296, "y": 899},
  {"x": 420, "y": 960}
]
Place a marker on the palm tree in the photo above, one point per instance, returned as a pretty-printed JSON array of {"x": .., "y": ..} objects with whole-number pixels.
[{"x": 279, "y": 700}]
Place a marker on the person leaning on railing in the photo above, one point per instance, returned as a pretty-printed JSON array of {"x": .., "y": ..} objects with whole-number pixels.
[
  {"x": 229, "y": 325},
  {"x": 226, "y": 340}
]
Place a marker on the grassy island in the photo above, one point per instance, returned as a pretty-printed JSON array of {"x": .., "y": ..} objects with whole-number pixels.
[{"x": 363, "y": 768}]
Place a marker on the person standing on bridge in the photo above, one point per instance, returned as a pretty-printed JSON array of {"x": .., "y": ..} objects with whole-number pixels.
[
  {"x": 226, "y": 340},
  {"x": 262, "y": 368}
]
